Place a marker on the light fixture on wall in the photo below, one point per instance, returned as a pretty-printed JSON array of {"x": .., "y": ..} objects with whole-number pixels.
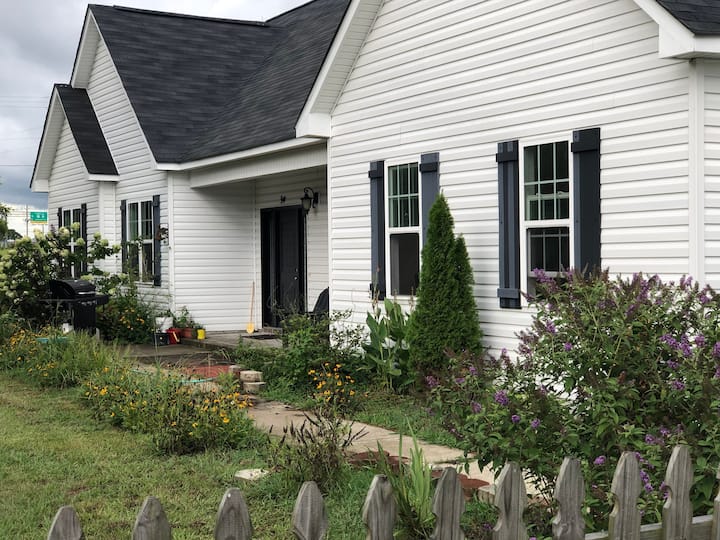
[{"x": 309, "y": 199}]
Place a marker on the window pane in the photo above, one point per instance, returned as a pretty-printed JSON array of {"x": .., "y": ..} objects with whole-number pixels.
[
  {"x": 531, "y": 164},
  {"x": 66, "y": 219},
  {"x": 404, "y": 263},
  {"x": 146, "y": 226},
  {"x": 147, "y": 262},
  {"x": 547, "y": 162},
  {"x": 561, "y": 160},
  {"x": 132, "y": 266},
  {"x": 133, "y": 225},
  {"x": 546, "y": 181},
  {"x": 549, "y": 249},
  {"x": 403, "y": 196}
]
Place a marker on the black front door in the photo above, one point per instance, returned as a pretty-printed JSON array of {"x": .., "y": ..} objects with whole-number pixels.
[{"x": 282, "y": 248}]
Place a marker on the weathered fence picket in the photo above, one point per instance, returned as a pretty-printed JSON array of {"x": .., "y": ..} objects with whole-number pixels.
[{"x": 309, "y": 520}]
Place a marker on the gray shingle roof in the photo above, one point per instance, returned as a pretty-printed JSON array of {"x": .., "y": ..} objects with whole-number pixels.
[
  {"x": 86, "y": 130},
  {"x": 701, "y": 17},
  {"x": 204, "y": 87}
]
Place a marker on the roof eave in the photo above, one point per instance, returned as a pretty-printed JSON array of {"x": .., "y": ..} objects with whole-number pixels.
[
  {"x": 85, "y": 55},
  {"x": 675, "y": 40},
  {"x": 240, "y": 155},
  {"x": 40, "y": 179},
  {"x": 314, "y": 119}
]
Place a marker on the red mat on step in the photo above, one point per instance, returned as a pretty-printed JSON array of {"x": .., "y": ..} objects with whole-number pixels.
[{"x": 207, "y": 372}]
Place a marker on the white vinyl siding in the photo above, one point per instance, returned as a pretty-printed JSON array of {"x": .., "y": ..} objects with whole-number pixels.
[
  {"x": 138, "y": 179},
  {"x": 69, "y": 184},
  {"x": 212, "y": 240},
  {"x": 459, "y": 77}
]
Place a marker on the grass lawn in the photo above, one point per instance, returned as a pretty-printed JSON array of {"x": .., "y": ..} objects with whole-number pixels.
[{"x": 53, "y": 453}]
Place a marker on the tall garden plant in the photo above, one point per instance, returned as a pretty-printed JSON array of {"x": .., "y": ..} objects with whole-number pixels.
[
  {"x": 445, "y": 316},
  {"x": 609, "y": 365}
]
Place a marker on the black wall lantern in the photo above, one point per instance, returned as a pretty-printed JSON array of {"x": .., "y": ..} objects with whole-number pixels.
[{"x": 309, "y": 199}]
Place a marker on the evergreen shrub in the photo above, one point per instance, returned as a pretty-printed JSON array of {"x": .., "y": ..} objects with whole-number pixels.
[{"x": 445, "y": 317}]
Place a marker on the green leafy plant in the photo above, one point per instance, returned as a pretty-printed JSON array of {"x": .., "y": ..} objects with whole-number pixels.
[
  {"x": 314, "y": 450},
  {"x": 27, "y": 268},
  {"x": 412, "y": 486},
  {"x": 387, "y": 347},
  {"x": 181, "y": 417},
  {"x": 445, "y": 316},
  {"x": 126, "y": 317},
  {"x": 608, "y": 365}
]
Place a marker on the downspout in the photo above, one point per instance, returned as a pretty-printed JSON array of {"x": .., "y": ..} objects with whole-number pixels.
[{"x": 696, "y": 169}]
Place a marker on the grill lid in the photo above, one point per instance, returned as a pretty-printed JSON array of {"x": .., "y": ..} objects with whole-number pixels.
[{"x": 70, "y": 288}]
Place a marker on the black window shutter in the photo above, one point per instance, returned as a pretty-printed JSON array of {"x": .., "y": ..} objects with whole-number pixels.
[
  {"x": 60, "y": 223},
  {"x": 586, "y": 204},
  {"x": 123, "y": 234},
  {"x": 430, "y": 178},
  {"x": 157, "y": 255},
  {"x": 377, "y": 227},
  {"x": 508, "y": 202}
]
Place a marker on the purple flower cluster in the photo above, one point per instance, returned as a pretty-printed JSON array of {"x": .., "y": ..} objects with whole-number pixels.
[
  {"x": 677, "y": 385},
  {"x": 599, "y": 461},
  {"x": 550, "y": 327},
  {"x": 568, "y": 346},
  {"x": 501, "y": 398},
  {"x": 716, "y": 350},
  {"x": 515, "y": 418},
  {"x": 645, "y": 478},
  {"x": 432, "y": 382},
  {"x": 460, "y": 380},
  {"x": 535, "y": 424},
  {"x": 476, "y": 407}
]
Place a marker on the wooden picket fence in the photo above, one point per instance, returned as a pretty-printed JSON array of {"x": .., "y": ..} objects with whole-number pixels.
[{"x": 309, "y": 520}]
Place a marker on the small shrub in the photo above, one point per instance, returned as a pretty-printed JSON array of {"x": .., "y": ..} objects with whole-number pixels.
[
  {"x": 445, "y": 316},
  {"x": 314, "y": 450},
  {"x": 126, "y": 317},
  {"x": 182, "y": 418}
]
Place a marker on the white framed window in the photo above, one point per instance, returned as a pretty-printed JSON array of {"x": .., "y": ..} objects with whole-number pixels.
[
  {"x": 76, "y": 216},
  {"x": 140, "y": 241},
  {"x": 545, "y": 210},
  {"x": 403, "y": 227}
]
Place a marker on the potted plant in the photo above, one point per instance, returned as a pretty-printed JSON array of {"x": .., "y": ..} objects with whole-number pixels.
[
  {"x": 185, "y": 323},
  {"x": 164, "y": 321}
]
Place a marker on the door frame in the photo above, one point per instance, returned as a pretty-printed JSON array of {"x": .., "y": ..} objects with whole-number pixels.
[{"x": 271, "y": 261}]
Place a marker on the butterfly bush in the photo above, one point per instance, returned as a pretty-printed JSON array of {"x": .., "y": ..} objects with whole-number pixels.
[{"x": 608, "y": 365}]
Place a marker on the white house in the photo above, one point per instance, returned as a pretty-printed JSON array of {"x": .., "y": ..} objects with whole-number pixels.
[
  {"x": 176, "y": 137},
  {"x": 563, "y": 133}
]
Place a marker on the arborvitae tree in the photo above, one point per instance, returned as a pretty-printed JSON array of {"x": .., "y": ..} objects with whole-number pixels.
[{"x": 445, "y": 316}]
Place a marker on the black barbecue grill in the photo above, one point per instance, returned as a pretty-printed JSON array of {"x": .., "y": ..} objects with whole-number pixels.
[{"x": 79, "y": 299}]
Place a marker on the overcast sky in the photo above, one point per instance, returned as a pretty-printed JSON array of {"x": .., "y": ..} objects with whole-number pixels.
[{"x": 38, "y": 41}]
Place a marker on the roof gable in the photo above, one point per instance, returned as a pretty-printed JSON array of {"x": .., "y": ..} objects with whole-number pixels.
[{"x": 203, "y": 87}]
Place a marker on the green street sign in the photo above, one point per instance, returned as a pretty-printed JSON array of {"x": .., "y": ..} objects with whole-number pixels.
[{"x": 38, "y": 217}]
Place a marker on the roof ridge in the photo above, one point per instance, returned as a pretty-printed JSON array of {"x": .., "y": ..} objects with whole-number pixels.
[{"x": 181, "y": 15}]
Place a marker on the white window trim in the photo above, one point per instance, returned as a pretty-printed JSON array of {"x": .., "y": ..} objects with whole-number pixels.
[
  {"x": 71, "y": 213},
  {"x": 141, "y": 271},
  {"x": 408, "y": 160},
  {"x": 524, "y": 224}
]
